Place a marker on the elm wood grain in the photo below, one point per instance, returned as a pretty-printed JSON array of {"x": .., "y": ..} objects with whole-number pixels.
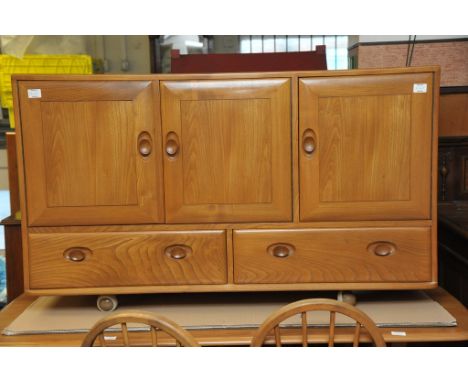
[
  {"x": 82, "y": 162},
  {"x": 13, "y": 183},
  {"x": 13, "y": 257},
  {"x": 434, "y": 170},
  {"x": 22, "y": 186},
  {"x": 333, "y": 255},
  {"x": 381, "y": 128},
  {"x": 295, "y": 148},
  {"x": 233, "y": 142},
  {"x": 74, "y": 91},
  {"x": 371, "y": 136},
  {"x": 453, "y": 117},
  {"x": 189, "y": 227},
  {"x": 230, "y": 256},
  {"x": 303, "y": 307},
  {"x": 119, "y": 259},
  {"x": 157, "y": 324},
  {"x": 97, "y": 150},
  {"x": 252, "y": 75},
  {"x": 347, "y": 75},
  {"x": 225, "y": 287},
  {"x": 243, "y": 337}
]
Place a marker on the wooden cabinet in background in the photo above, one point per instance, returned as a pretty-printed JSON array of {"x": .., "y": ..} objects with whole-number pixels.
[
  {"x": 453, "y": 119},
  {"x": 228, "y": 182}
]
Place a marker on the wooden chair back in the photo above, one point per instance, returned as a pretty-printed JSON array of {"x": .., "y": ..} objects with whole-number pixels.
[
  {"x": 158, "y": 326},
  {"x": 272, "y": 324}
]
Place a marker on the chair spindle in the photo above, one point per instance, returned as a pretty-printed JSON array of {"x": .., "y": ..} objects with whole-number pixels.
[
  {"x": 304, "y": 329},
  {"x": 331, "y": 339},
  {"x": 357, "y": 334},
  {"x": 277, "y": 335},
  {"x": 125, "y": 333}
]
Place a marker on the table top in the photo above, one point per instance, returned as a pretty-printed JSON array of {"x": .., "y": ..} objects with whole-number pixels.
[{"x": 243, "y": 337}]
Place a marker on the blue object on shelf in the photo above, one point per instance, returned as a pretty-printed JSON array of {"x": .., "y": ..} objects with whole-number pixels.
[{"x": 3, "y": 295}]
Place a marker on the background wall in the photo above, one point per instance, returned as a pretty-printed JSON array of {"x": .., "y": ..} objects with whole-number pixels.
[
  {"x": 111, "y": 52},
  {"x": 449, "y": 52},
  {"x": 226, "y": 44}
]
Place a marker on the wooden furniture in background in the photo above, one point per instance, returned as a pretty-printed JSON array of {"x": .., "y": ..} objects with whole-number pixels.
[
  {"x": 157, "y": 325},
  {"x": 13, "y": 183},
  {"x": 453, "y": 118},
  {"x": 13, "y": 257},
  {"x": 271, "y": 181},
  {"x": 453, "y": 169},
  {"x": 251, "y": 62},
  {"x": 453, "y": 249},
  {"x": 270, "y": 330},
  {"x": 243, "y": 336},
  {"x": 12, "y": 225},
  {"x": 453, "y": 191}
]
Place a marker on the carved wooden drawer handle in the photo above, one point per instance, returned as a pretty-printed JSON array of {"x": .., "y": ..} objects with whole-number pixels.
[
  {"x": 178, "y": 251},
  {"x": 382, "y": 248},
  {"x": 145, "y": 145},
  {"x": 76, "y": 254},
  {"x": 281, "y": 250},
  {"x": 172, "y": 144},
  {"x": 309, "y": 141}
]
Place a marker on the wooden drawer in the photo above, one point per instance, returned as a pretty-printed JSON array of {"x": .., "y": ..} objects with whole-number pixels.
[
  {"x": 332, "y": 255},
  {"x": 74, "y": 260}
]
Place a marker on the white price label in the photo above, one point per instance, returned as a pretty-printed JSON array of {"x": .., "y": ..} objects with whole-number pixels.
[
  {"x": 34, "y": 93},
  {"x": 419, "y": 88}
]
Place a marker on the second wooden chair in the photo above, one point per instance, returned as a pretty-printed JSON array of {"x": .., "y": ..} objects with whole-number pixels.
[{"x": 272, "y": 324}]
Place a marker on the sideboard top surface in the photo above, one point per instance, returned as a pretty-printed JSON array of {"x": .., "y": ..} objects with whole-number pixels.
[{"x": 244, "y": 75}]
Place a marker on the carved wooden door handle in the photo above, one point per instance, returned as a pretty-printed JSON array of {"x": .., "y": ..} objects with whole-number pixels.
[
  {"x": 382, "y": 248},
  {"x": 172, "y": 144},
  {"x": 178, "y": 251},
  {"x": 281, "y": 250},
  {"x": 309, "y": 141},
  {"x": 145, "y": 144},
  {"x": 76, "y": 254}
]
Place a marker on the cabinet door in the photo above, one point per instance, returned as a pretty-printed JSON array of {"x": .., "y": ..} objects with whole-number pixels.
[
  {"x": 365, "y": 149},
  {"x": 227, "y": 150},
  {"x": 90, "y": 150}
]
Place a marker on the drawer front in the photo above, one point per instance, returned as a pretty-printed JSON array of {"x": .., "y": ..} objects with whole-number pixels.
[
  {"x": 74, "y": 260},
  {"x": 332, "y": 255}
]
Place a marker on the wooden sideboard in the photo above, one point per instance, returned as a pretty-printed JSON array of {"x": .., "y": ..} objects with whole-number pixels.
[{"x": 228, "y": 182}]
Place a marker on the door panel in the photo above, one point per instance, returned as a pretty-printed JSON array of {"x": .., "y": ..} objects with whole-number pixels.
[
  {"x": 83, "y": 153},
  {"x": 228, "y": 155},
  {"x": 366, "y": 147},
  {"x": 352, "y": 149}
]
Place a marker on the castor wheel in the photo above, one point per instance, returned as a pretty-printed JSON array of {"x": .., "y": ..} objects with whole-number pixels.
[
  {"x": 107, "y": 303},
  {"x": 347, "y": 297}
]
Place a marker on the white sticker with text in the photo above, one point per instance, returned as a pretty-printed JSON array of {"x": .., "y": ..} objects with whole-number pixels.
[
  {"x": 34, "y": 93},
  {"x": 419, "y": 88}
]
